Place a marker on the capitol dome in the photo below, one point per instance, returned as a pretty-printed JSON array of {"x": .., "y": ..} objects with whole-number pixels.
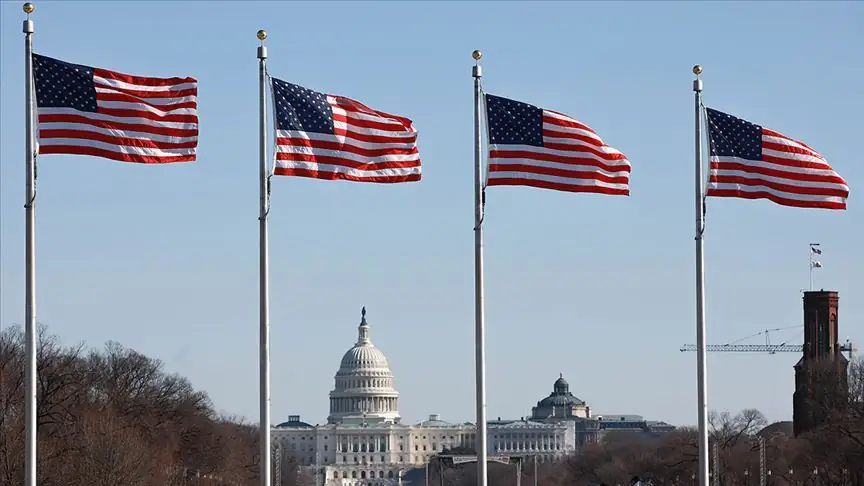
[
  {"x": 364, "y": 357},
  {"x": 363, "y": 390}
]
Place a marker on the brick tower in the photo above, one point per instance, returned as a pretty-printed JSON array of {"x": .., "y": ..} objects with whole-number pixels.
[{"x": 820, "y": 374}]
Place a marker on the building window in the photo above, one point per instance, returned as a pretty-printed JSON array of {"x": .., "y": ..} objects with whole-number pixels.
[{"x": 325, "y": 447}]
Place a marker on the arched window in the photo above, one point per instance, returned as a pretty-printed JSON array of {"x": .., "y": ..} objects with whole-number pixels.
[
  {"x": 362, "y": 474},
  {"x": 390, "y": 474}
]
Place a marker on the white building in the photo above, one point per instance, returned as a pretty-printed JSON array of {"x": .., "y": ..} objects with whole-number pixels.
[{"x": 365, "y": 443}]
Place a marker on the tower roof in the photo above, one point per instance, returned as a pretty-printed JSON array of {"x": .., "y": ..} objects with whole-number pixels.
[{"x": 561, "y": 382}]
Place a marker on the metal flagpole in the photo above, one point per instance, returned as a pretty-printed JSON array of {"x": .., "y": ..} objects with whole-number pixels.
[
  {"x": 519, "y": 471},
  {"x": 30, "y": 256},
  {"x": 535, "y": 469},
  {"x": 264, "y": 313},
  {"x": 762, "y": 467},
  {"x": 716, "y": 460},
  {"x": 441, "y": 471},
  {"x": 479, "y": 317},
  {"x": 700, "y": 288}
]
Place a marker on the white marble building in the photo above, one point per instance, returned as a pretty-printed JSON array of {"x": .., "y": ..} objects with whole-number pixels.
[{"x": 365, "y": 443}]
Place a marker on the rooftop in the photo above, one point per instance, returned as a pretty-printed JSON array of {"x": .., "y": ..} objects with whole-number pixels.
[{"x": 293, "y": 422}]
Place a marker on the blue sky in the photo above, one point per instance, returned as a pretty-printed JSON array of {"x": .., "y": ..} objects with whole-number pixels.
[{"x": 163, "y": 259}]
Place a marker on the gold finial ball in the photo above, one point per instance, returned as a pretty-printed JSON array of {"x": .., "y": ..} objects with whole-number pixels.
[
  {"x": 477, "y": 55},
  {"x": 29, "y": 8},
  {"x": 262, "y": 34},
  {"x": 697, "y": 70}
]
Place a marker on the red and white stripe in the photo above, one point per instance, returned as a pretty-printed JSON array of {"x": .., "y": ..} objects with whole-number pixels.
[
  {"x": 573, "y": 158},
  {"x": 368, "y": 146},
  {"x": 138, "y": 119},
  {"x": 790, "y": 173}
]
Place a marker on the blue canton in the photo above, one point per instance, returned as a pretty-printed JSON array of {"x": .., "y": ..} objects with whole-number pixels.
[
  {"x": 61, "y": 84},
  {"x": 513, "y": 122},
  {"x": 733, "y": 137},
  {"x": 301, "y": 109}
]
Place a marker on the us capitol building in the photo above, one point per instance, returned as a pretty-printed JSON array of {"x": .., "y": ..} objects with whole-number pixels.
[{"x": 365, "y": 442}]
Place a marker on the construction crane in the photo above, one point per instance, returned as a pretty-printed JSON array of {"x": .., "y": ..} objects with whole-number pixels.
[{"x": 734, "y": 347}]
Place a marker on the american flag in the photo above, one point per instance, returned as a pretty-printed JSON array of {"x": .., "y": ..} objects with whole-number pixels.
[
  {"x": 752, "y": 162},
  {"x": 91, "y": 111},
  {"x": 331, "y": 137},
  {"x": 530, "y": 146}
]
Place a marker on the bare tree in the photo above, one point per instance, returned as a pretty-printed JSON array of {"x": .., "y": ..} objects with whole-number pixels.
[
  {"x": 115, "y": 416},
  {"x": 11, "y": 405},
  {"x": 729, "y": 430}
]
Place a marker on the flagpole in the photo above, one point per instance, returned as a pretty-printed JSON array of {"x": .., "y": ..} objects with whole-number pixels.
[
  {"x": 264, "y": 293},
  {"x": 702, "y": 357},
  {"x": 30, "y": 257},
  {"x": 813, "y": 263},
  {"x": 479, "y": 317}
]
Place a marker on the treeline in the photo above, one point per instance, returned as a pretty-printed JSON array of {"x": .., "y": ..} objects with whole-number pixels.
[
  {"x": 114, "y": 417},
  {"x": 829, "y": 455}
]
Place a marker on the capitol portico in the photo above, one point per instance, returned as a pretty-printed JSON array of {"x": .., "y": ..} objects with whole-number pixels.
[{"x": 365, "y": 443}]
